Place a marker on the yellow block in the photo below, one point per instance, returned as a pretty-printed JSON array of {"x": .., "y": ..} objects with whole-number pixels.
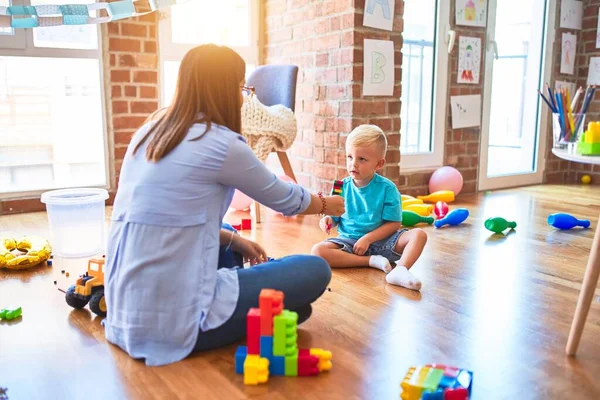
[
  {"x": 256, "y": 370},
  {"x": 324, "y": 358}
]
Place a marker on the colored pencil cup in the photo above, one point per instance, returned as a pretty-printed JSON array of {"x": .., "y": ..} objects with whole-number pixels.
[{"x": 562, "y": 130}]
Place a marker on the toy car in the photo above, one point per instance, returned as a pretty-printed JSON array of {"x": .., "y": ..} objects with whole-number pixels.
[{"x": 89, "y": 288}]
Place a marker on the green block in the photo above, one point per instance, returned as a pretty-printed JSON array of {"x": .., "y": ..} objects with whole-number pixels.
[
  {"x": 433, "y": 379},
  {"x": 284, "y": 333},
  {"x": 291, "y": 364}
]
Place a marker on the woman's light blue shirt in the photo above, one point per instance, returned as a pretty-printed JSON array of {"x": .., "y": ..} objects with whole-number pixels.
[{"x": 162, "y": 282}]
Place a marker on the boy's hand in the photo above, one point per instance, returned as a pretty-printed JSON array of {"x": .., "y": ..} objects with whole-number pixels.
[
  {"x": 361, "y": 246},
  {"x": 326, "y": 223}
]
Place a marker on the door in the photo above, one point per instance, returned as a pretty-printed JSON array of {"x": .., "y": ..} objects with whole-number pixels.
[{"x": 517, "y": 65}]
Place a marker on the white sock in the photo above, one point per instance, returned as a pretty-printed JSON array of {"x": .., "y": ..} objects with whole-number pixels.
[
  {"x": 380, "y": 262},
  {"x": 402, "y": 277}
]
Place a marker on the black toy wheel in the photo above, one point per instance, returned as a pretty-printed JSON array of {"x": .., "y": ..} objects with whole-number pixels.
[
  {"x": 75, "y": 300},
  {"x": 98, "y": 303}
]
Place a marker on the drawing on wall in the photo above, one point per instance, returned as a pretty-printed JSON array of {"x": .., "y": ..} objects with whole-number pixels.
[
  {"x": 469, "y": 59},
  {"x": 594, "y": 71},
  {"x": 598, "y": 32},
  {"x": 571, "y": 14},
  {"x": 466, "y": 111},
  {"x": 570, "y": 86},
  {"x": 567, "y": 58},
  {"x": 471, "y": 12},
  {"x": 378, "y": 78},
  {"x": 379, "y": 14}
]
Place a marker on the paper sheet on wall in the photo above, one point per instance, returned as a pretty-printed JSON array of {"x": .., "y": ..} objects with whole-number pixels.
[
  {"x": 598, "y": 32},
  {"x": 379, "y": 14},
  {"x": 567, "y": 54},
  {"x": 469, "y": 59},
  {"x": 378, "y": 79},
  {"x": 570, "y": 86},
  {"x": 594, "y": 71},
  {"x": 471, "y": 12},
  {"x": 571, "y": 14},
  {"x": 466, "y": 111}
]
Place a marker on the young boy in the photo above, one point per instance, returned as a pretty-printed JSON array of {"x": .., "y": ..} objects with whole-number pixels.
[{"x": 369, "y": 231}]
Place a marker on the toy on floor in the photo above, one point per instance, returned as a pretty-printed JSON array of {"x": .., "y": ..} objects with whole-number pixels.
[
  {"x": 337, "y": 188},
  {"x": 436, "y": 382},
  {"x": 37, "y": 250},
  {"x": 411, "y": 218},
  {"x": 410, "y": 202},
  {"x": 566, "y": 221},
  {"x": 272, "y": 347},
  {"x": 421, "y": 209},
  {"x": 9, "y": 315},
  {"x": 498, "y": 224},
  {"x": 446, "y": 178},
  {"x": 440, "y": 209},
  {"x": 89, "y": 288},
  {"x": 586, "y": 179},
  {"x": 454, "y": 217},
  {"x": 440, "y": 195}
]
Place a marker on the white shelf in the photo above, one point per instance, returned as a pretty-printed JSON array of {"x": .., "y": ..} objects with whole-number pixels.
[{"x": 565, "y": 155}]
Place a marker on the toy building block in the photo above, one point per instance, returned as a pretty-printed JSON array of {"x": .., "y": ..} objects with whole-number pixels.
[
  {"x": 271, "y": 303},
  {"x": 277, "y": 366},
  {"x": 240, "y": 358},
  {"x": 436, "y": 382},
  {"x": 237, "y": 227},
  {"x": 256, "y": 370},
  {"x": 246, "y": 223},
  {"x": 291, "y": 364},
  {"x": 266, "y": 346},
  {"x": 307, "y": 364},
  {"x": 284, "y": 334},
  {"x": 456, "y": 394},
  {"x": 337, "y": 188},
  {"x": 324, "y": 356},
  {"x": 8, "y": 315},
  {"x": 253, "y": 331}
]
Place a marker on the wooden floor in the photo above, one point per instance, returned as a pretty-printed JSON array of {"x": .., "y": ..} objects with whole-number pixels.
[{"x": 500, "y": 306}]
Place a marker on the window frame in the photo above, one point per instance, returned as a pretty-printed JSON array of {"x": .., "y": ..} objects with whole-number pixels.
[
  {"x": 421, "y": 161},
  {"x": 169, "y": 51},
  {"x": 21, "y": 44}
]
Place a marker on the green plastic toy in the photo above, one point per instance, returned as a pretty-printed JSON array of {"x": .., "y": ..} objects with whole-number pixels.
[
  {"x": 10, "y": 314},
  {"x": 411, "y": 218},
  {"x": 499, "y": 224}
]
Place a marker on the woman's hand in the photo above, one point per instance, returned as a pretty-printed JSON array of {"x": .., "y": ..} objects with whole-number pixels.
[
  {"x": 251, "y": 252},
  {"x": 335, "y": 205}
]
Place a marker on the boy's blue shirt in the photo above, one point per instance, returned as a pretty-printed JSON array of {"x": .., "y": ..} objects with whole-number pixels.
[{"x": 368, "y": 207}]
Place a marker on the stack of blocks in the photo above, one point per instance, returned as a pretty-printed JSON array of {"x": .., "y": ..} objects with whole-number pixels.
[
  {"x": 337, "y": 188},
  {"x": 272, "y": 347},
  {"x": 436, "y": 382}
]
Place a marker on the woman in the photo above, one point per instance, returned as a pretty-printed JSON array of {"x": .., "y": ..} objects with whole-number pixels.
[{"x": 165, "y": 295}]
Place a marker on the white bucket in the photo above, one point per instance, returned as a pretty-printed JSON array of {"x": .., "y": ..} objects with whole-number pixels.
[{"x": 76, "y": 219}]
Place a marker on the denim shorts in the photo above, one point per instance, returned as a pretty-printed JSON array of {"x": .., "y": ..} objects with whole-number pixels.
[{"x": 384, "y": 247}]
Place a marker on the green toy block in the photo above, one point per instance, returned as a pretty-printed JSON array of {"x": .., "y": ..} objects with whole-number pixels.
[
  {"x": 284, "y": 333},
  {"x": 291, "y": 364},
  {"x": 433, "y": 380},
  {"x": 10, "y": 314}
]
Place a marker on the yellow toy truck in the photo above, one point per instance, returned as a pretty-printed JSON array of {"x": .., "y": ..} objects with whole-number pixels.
[{"x": 89, "y": 288}]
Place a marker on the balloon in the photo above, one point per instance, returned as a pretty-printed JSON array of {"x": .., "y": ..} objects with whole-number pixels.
[
  {"x": 446, "y": 178},
  {"x": 240, "y": 201}
]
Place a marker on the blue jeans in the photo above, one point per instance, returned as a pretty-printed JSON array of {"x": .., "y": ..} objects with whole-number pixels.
[{"x": 302, "y": 279}]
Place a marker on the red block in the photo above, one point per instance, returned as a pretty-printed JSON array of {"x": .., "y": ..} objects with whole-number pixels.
[
  {"x": 246, "y": 223},
  {"x": 253, "y": 331},
  {"x": 307, "y": 365},
  {"x": 237, "y": 227},
  {"x": 271, "y": 303},
  {"x": 456, "y": 394}
]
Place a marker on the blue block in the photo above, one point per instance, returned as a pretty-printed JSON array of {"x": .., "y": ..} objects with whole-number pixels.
[
  {"x": 447, "y": 382},
  {"x": 277, "y": 366},
  {"x": 240, "y": 357},
  {"x": 437, "y": 395},
  {"x": 266, "y": 347}
]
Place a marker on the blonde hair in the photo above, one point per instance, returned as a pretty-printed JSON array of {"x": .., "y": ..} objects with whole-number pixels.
[{"x": 367, "y": 135}]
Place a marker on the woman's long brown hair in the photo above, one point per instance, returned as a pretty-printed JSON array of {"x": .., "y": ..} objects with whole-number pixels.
[{"x": 208, "y": 83}]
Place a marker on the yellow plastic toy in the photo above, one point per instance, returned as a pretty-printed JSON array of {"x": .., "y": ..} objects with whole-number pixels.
[
  {"x": 440, "y": 195},
  {"x": 37, "y": 250},
  {"x": 405, "y": 197},
  {"x": 256, "y": 370},
  {"x": 410, "y": 202},
  {"x": 589, "y": 142},
  {"x": 89, "y": 288},
  {"x": 421, "y": 209}
]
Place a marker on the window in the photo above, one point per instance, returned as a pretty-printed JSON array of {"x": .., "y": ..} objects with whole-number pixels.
[
  {"x": 179, "y": 31},
  {"x": 424, "y": 79},
  {"x": 52, "y": 131}
]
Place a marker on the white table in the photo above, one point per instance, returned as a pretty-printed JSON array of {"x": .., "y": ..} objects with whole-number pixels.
[{"x": 592, "y": 271}]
